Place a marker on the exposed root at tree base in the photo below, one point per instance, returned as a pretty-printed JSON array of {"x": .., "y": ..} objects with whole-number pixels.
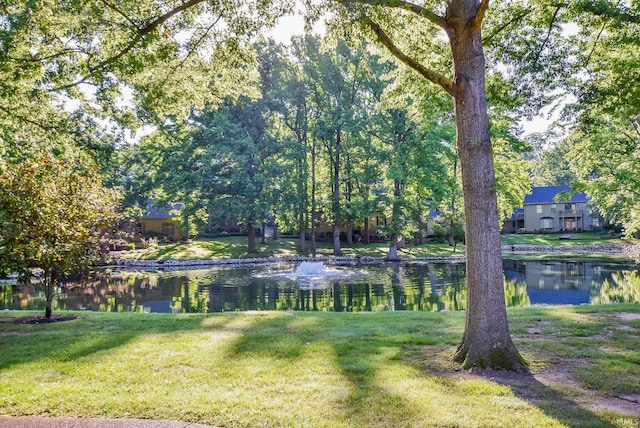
[{"x": 495, "y": 358}]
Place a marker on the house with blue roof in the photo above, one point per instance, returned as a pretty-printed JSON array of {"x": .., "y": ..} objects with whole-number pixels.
[
  {"x": 514, "y": 223},
  {"x": 546, "y": 211}
]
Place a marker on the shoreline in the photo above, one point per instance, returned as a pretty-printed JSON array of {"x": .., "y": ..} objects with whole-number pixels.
[{"x": 626, "y": 250}]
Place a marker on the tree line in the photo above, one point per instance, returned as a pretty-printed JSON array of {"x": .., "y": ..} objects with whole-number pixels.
[{"x": 332, "y": 132}]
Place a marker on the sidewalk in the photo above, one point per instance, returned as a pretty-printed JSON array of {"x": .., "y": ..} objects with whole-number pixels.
[{"x": 45, "y": 422}]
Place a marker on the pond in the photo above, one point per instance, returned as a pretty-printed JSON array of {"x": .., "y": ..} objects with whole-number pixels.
[{"x": 384, "y": 287}]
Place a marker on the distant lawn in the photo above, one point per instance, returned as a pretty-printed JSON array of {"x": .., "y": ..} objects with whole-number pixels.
[
  {"x": 582, "y": 238},
  {"x": 236, "y": 248},
  {"x": 294, "y": 369}
]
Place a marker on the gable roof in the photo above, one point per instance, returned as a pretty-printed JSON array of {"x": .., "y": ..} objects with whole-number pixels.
[
  {"x": 546, "y": 195},
  {"x": 515, "y": 213},
  {"x": 162, "y": 211}
]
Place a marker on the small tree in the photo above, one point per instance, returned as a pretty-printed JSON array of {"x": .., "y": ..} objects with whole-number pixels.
[{"x": 52, "y": 210}]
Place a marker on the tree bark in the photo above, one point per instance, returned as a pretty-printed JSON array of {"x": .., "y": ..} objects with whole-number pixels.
[
  {"x": 251, "y": 238},
  {"x": 336, "y": 194},
  {"x": 486, "y": 341},
  {"x": 367, "y": 236},
  {"x": 49, "y": 284},
  {"x": 396, "y": 219},
  {"x": 313, "y": 198}
]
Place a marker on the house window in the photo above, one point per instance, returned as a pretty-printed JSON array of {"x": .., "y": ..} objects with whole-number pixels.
[
  {"x": 595, "y": 221},
  {"x": 570, "y": 208},
  {"x": 538, "y": 209},
  {"x": 553, "y": 208},
  {"x": 546, "y": 223},
  {"x": 381, "y": 221}
]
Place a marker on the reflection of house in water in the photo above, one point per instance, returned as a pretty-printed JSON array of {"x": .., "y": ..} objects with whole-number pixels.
[{"x": 556, "y": 282}]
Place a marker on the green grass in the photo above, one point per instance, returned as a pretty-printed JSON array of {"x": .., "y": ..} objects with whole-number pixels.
[
  {"x": 583, "y": 238},
  {"x": 293, "y": 369},
  {"x": 236, "y": 248}
]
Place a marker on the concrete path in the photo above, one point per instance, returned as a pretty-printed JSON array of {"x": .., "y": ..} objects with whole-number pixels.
[{"x": 46, "y": 422}]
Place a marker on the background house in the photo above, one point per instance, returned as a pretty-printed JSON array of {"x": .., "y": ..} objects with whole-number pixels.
[
  {"x": 515, "y": 222},
  {"x": 159, "y": 221},
  {"x": 544, "y": 213}
]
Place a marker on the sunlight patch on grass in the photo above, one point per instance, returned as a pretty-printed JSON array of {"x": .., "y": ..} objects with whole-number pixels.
[{"x": 306, "y": 369}]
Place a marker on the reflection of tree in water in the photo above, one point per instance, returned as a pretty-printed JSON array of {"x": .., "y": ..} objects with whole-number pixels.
[
  {"x": 624, "y": 287},
  {"x": 191, "y": 299},
  {"x": 515, "y": 293},
  {"x": 399, "y": 286},
  {"x": 28, "y": 296}
]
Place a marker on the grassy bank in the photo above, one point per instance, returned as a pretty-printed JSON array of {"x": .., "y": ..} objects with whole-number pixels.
[
  {"x": 583, "y": 238},
  {"x": 322, "y": 369},
  {"x": 236, "y": 247}
]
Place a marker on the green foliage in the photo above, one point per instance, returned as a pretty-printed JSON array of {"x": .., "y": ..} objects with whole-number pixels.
[
  {"x": 52, "y": 209},
  {"x": 552, "y": 166},
  {"x": 605, "y": 157}
]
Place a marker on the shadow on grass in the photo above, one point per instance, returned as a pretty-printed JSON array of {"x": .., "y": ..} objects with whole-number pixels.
[
  {"x": 72, "y": 340},
  {"x": 552, "y": 402},
  {"x": 366, "y": 350}
]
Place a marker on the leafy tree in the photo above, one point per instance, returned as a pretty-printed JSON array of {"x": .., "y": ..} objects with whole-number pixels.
[
  {"x": 552, "y": 167},
  {"x": 606, "y": 158},
  {"x": 416, "y": 165},
  {"x": 603, "y": 145},
  {"x": 52, "y": 212},
  {"x": 339, "y": 80},
  {"x": 486, "y": 341}
]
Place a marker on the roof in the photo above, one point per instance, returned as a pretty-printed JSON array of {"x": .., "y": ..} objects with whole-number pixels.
[
  {"x": 547, "y": 195},
  {"x": 164, "y": 211},
  {"x": 516, "y": 212}
]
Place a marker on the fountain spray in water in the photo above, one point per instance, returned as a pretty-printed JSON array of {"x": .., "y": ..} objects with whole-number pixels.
[{"x": 312, "y": 269}]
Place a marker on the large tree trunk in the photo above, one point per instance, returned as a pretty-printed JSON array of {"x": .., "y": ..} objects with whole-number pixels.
[
  {"x": 313, "y": 198},
  {"x": 486, "y": 341},
  {"x": 350, "y": 232},
  {"x": 396, "y": 219},
  {"x": 336, "y": 194},
  {"x": 49, "y": 287},
  {"x": 251, "y": 238},
  {"x": 367, "y": 236},
  {"x": 336, "y": 240}
]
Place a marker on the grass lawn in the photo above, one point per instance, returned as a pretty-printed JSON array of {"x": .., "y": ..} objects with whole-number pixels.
[
  {"x": 291, "y": 369},
  {"x": 583, "y": 238},
  {"x": 236, "y": 247}
]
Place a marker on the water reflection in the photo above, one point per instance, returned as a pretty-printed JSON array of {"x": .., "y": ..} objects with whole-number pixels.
[{"x": 397, "y": 286}]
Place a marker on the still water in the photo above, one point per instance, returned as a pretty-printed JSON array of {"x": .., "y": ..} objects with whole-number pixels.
[{"x": 386, "y": 287}]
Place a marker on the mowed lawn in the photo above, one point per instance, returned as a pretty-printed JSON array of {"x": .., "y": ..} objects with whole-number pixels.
[
  {"x": 235, "y": 247},
  {"x": 294, "y": 369}
]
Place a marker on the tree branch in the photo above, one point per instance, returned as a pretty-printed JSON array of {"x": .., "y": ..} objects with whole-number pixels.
[
  {"x": 120, "y": 12},
  {"x": 427, "y": 73},
  {"x": 192, "y": 50},
  {"x": 141, "y": 33},
  {"x": 544, "y": 43},
  {"x": 405, "y": 5},
  {"x": 507, "y": 24},
  {"x": 482, "y": 10}
]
